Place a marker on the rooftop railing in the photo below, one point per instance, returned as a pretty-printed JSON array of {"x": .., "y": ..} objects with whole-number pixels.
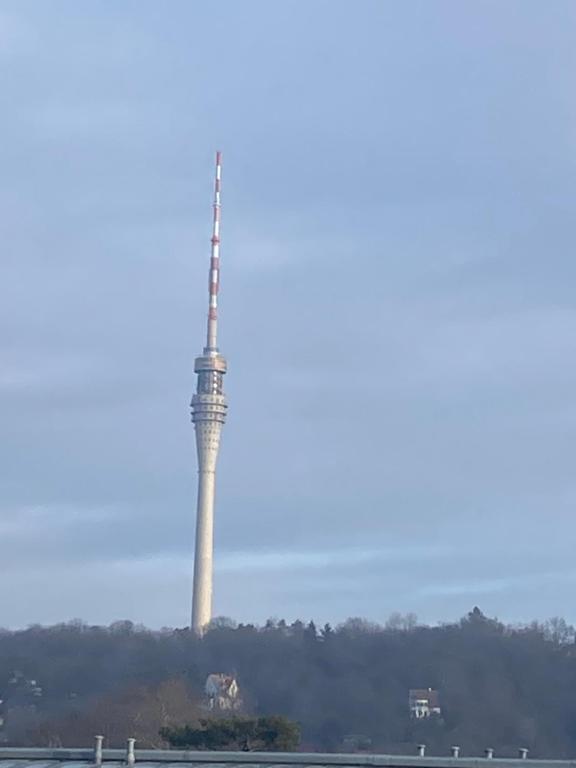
[{"x": 97, "y": 755}]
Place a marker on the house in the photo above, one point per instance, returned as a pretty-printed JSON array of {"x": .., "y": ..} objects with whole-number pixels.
[
  {"x": 424, "y": 702},
  {"x": 222, "y": 692},
  {"x": 22, "y": 688}
]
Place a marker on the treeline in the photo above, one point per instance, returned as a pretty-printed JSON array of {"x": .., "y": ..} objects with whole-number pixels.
[{"x": 500, "y": 686}]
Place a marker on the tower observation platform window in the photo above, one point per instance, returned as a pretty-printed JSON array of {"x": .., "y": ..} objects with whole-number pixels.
[{"x": 210, "y": 383}]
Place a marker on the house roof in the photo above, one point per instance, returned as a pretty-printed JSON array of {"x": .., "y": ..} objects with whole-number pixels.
[{"x": 432, "y": 696}]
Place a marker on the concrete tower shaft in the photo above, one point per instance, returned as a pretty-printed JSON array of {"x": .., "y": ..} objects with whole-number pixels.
[{"x": 208, "y": 414}]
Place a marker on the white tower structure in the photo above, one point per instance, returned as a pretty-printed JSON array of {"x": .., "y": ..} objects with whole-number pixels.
[{"x": 208, "y": 414}]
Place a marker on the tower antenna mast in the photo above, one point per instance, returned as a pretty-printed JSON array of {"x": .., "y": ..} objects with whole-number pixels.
[{"x": 214, "y": 281}]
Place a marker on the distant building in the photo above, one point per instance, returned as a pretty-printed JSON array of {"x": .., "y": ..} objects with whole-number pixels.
[
  {"x": 222, "y": 692},
  {"x": 23, "y": 688},
  {"x": 20, "y": 699},
  {"x": 424, "y": 702}
]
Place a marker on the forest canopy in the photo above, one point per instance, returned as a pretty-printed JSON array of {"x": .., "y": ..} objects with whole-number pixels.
[{"x": 499, "y": 686}]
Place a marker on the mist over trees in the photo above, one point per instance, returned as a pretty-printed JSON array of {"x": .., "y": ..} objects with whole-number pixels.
[{"x": 500, "y": 686}]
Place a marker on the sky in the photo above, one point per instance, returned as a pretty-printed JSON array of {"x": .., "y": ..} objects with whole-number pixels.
[{"x": 397, "y": 307}]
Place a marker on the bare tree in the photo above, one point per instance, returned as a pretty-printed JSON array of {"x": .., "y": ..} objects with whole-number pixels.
[{"x": 138, "y": 712}]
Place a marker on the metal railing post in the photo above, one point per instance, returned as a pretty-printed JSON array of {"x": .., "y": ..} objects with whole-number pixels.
[
  {"x": 98, "y": 750},
  {"x": 130, "y": 756}
]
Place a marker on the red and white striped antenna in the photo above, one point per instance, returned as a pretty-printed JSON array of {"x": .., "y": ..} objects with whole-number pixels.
[{"x": 214, "y": 277}]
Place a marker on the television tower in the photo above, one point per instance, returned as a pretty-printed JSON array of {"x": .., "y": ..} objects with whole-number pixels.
[{"x": 208, "y": 414}]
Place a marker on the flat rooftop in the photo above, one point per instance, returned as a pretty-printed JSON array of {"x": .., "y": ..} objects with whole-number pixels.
[{"x": 82, "y": 758}]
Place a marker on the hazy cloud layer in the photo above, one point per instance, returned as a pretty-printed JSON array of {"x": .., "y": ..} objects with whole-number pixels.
[{"x": 397, "y": 306}]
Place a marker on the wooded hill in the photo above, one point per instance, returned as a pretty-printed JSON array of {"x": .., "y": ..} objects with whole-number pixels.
[{"x": 500, "y": 686}]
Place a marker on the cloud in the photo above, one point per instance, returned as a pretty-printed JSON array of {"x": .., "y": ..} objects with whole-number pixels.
[
  {"x": 285, "y": 560},
  {"x": 509, "y": 584},
  {"x": 397, "y": 309},
  {"x": 505, "y": 347},
  {"x": 90, "y": 120},
  {"x": 33, "y": 375},
  {"x": 32, "y": 522}
]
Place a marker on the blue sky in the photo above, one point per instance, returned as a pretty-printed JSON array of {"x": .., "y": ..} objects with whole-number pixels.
[{"x": 397, "y": 306}]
